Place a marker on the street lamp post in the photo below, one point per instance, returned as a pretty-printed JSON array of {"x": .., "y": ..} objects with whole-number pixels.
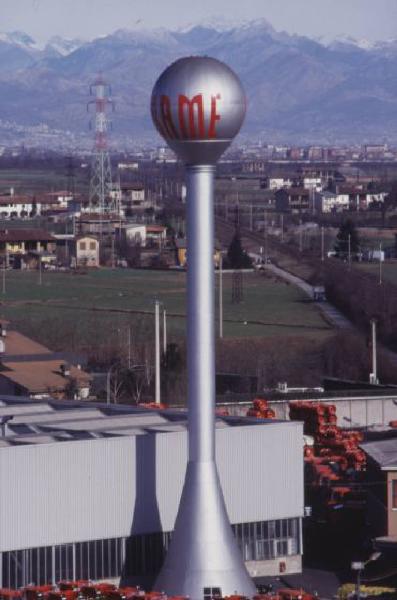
[{"x": 359, "y": 566}]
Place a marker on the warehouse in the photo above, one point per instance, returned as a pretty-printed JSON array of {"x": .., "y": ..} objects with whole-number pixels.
[{"x": 91, "y": 491}]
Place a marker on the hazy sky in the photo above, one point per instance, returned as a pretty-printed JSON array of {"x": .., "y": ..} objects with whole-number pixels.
[{"x": 371, "y": 19}]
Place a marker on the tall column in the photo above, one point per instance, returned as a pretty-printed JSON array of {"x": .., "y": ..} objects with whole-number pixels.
[{"x": 201, "y": 333}]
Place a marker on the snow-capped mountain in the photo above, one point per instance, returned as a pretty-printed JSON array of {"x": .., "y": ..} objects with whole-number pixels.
[
  {"x": 63, "y": 46},
  {"x": 20, "y": 39},
  {"x": 299, "y": 89}
]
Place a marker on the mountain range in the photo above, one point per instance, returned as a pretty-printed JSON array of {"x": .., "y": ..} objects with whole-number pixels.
[{"x": 299, "y": 90}]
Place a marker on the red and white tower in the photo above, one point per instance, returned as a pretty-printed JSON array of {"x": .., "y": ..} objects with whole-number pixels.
[{"x": 101, "y": 198}]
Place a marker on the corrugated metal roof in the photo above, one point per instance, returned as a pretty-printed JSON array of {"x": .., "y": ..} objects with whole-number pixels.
[{"x": 383, "y": 452}]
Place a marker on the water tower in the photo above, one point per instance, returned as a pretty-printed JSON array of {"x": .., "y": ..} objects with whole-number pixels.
[{"x": 198, "y": 106}]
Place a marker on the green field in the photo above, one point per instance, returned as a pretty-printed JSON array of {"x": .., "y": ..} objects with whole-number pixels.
[
  {"x": 71, "y": 310},
  {"x": 25, "y": 181},
  {"x": 389, "y": 270}
]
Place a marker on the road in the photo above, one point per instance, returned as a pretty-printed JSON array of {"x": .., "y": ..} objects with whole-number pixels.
[{"x": 332, "y": 315}]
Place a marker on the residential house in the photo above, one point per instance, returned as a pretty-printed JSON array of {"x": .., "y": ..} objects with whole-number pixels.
[
  {"x": 181, "y": 252},
  {"x": 327, "y": 202},
  {"x": 361, "y": 199},
  {"x": 87, "y": 251},
  {"x": 133, "y": 234},
  {"x": 18, "y": 245},
  {"x": 135, "y": 200},
  {"x": 19, "y": 207},
  {"x": 277, "y": 183},
  {"x": 137, "y": 234},
  {"x": 294, "y": 199},
  {"x": 28, "y": 368},
  {"x": 156, "y": 235}
]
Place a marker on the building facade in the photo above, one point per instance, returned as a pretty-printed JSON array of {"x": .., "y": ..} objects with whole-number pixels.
[{"x": 92, "y": 492}]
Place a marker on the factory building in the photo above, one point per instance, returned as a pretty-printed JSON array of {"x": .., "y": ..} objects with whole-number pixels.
[{"x": 92, "y": 491}]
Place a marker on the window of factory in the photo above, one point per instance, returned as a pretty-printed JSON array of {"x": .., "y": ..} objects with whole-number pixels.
[
  {"x": 96, "y": 559},
  {"x": 268, "y": 540},
  {"x": 136, "y": 555}
]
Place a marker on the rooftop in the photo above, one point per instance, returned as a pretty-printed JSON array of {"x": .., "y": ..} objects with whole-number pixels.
[
  {"x": 383, "y": 452},
  {"x": 43, "y": 376},
  {"x": 25, "y": 235},
  {"x": 50, "y": 421},
  {"x": 17, "y": 343}
]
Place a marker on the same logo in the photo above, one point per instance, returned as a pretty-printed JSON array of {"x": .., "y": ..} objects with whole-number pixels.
[{"x": 190, "y": 123}]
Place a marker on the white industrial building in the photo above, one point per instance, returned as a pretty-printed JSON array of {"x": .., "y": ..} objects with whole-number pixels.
[{"x": 92, "y": 491}]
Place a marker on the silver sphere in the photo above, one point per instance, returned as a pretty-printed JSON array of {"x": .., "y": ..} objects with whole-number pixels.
[{"x": 198, "y": 106}]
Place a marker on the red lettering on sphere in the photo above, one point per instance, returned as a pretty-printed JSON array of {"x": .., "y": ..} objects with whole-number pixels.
[
  {"x": 195, "y": 112},
  {"x": 166, "y": 117},
  {"x": 214, "y": 117}
]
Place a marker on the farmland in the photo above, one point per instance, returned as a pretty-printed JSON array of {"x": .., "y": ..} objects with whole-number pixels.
[
  {"x": 36, "y": 181},
  {"x": 389, "y": 270},
  {"x": 72, "y": 309}
]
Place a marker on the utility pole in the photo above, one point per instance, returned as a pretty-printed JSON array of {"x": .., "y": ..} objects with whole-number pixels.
[
  {"x": 266, "y": 257},
  {"x": 349, "y": 250},
  {"x": 129, "y": 346},
  {"x": 300, "y": 236},
  {"x": 322, "y": 243},
  {"x": 220, "y": 296},
  {"x": 373, "y": 378},
  {"x": 157, "y": 350},
  {"x": 40, "y": 275},
  {"x": 113, "y": 261},
  {"x": 380, "y": 263},
  {"x": 4, "y": 273},
  {"x": 164, "y": 331}
]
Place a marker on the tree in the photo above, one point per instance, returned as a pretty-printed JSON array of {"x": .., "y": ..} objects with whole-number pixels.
[
  {"x": 347, "y": 231},
  {"x": 237, "y": 258}
]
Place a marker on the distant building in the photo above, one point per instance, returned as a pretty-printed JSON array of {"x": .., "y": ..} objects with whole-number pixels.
[
  {"x": 87, "y": 251},
  {"x": 137, "y": 234},
  {"x": 19, "y": 207},
  {"x": 294, "y": 199},
  {"x": 17, "y": 244},
  {"x": 156, "y": 234},
  {"x": 313, "y": 183},
  {"x": 182, "y": 258},
  {"x": 134, "y": 199},
  {"x": 327, "y": 202},
  {"x": 361, "y": 199},
  {"x": 30, "y": 369},
  {"x": 277, "y": 183},
  {"x": 381, "y": 487}
]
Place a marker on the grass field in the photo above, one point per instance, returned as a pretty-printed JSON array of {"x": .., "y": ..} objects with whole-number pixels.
[
  {"x": 37, "y": 180},
  {"x": 87, "y": 306},
  {"x": 389, "y": 270}
]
